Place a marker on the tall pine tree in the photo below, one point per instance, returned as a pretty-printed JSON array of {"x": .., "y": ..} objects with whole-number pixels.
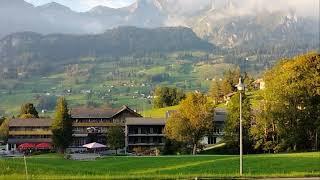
[{"x": 62, "y": 126}]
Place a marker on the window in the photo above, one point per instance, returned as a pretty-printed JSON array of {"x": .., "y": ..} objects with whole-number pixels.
[{"x": 212, "y": 140}]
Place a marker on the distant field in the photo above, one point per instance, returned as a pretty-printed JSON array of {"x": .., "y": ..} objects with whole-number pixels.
[
  {"x": 215, "y": 166},
  {"x": 100, "y": 82},
  {"x": 158, "y": 113}
]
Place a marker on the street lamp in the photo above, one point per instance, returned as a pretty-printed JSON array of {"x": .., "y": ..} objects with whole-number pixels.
[{"x": 241, "y": 87}]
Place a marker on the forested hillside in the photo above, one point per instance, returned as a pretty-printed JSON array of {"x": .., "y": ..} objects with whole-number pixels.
[{"x": 29, "y": 49}]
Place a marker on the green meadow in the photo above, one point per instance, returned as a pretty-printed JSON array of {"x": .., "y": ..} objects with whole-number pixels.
[{"x": 53, "y": 166}]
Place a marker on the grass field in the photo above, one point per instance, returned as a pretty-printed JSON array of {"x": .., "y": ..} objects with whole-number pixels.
[
  {"x": 158, "y": 113},
  {"x": 164, "y": 167}
]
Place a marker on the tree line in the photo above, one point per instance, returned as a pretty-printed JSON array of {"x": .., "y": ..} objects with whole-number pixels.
[{"x": 286, "y": 119}]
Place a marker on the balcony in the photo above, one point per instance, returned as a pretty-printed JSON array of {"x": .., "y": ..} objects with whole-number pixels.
[
  {"x": 145, "y": 144},
  {"x": 28, "y": 140},
  {"x": 218, "y": 133},
  {"x": 36, "y": 132},
  {"x": 145, "y": 135},
  {"x": 95, "y": 124},
  {"x": 80, "y": 134}
]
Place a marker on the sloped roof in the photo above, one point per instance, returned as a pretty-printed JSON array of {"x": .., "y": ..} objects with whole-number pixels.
[
  {"x": 220, "y": 115},
  {"x": 83, "y": 112},
  {"x": 39, "y": 122},
  {"x": 145, "y": 121}
]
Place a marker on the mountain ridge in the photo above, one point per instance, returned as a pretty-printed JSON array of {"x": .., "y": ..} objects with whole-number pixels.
[
  {"x": 34, "y": 48},
  {"x": 223, "y": 23}
]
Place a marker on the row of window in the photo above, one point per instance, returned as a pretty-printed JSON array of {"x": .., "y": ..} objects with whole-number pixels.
[
  {"x": 100, "y": 120},
  {"x": 145, "y": 130},
  {"x": 135, "y": 140},
  {"x": 29, "y": 128},
  {"x": 31, "y": 137}
]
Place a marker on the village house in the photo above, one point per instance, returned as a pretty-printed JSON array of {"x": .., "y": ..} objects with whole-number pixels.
[{"x": 259, "y": 84}]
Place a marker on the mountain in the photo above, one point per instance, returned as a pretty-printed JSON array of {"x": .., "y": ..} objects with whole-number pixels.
[
  {"x": 265, "y": 27},
  {"x": 223, "y": 22},
  {"x": 37, "y": 50}
]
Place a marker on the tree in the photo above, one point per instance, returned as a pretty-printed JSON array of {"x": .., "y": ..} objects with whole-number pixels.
[
  {"x": 293, "y": 93},
  {"x": 167, "y": 96},
  {"x": 62, "y": 126},
  {"x": 215, "y": 92},
  {"x": 232, "y": 126},
  {"x": 192, "y": 121},
  {"x": 263, "y": 131},
  {"x": 221, "y": 88},
  {"x": 230, "y": 79},
  {"x": 4, "y": 129},
  {"x": 115, "y": 137},
  {"x": 28, "y": 111}
]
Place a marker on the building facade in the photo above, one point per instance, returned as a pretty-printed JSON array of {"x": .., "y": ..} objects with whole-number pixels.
[
  {"x": 215, "y": 137},
  {"x": 144, "y": 133},
  {"x": 33, "y": 131},
  {"x": 92, "y": 124}
]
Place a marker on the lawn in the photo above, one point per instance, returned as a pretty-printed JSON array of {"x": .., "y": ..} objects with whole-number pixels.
[{"x": 164, "y": 167}]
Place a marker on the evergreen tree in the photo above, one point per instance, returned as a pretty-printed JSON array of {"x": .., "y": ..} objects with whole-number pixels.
[{"x": 62, "y": 126}]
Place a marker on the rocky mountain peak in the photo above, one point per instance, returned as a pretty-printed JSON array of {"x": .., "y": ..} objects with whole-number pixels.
[{"x": 53, "y": 6}]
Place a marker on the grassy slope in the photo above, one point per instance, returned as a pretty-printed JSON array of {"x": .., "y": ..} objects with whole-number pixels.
[
  {"x": 52, "y": 166},
  {"x": 158, "y": 113},
  {"x": 104, "y": 74}
]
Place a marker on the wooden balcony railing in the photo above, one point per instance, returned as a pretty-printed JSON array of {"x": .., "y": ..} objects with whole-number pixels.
[
  {"x": 95, "y": 124},
  {"x": 29, "y": 140},
  {"x": 38, "y": 132}
]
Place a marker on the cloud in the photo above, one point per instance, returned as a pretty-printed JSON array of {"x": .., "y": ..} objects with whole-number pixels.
[{"x": 302, "y": 7}]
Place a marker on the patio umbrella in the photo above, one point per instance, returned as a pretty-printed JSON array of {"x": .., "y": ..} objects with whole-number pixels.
[
  {"x": 44, "y": 146},
  {"x": 26, "y": 146},
  {"x": 94, "y": 145}
]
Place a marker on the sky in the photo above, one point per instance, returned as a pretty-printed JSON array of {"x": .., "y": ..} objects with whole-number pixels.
[{"x": 302, "y": 7}]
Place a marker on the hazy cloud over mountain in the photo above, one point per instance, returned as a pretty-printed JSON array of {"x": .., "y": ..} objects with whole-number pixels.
[
  {"x": 302, "y": 7},
  {"x": 220, "y": 21}
]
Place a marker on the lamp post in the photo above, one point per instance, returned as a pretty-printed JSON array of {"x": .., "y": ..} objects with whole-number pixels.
[{"x": 241, "y": 88}]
